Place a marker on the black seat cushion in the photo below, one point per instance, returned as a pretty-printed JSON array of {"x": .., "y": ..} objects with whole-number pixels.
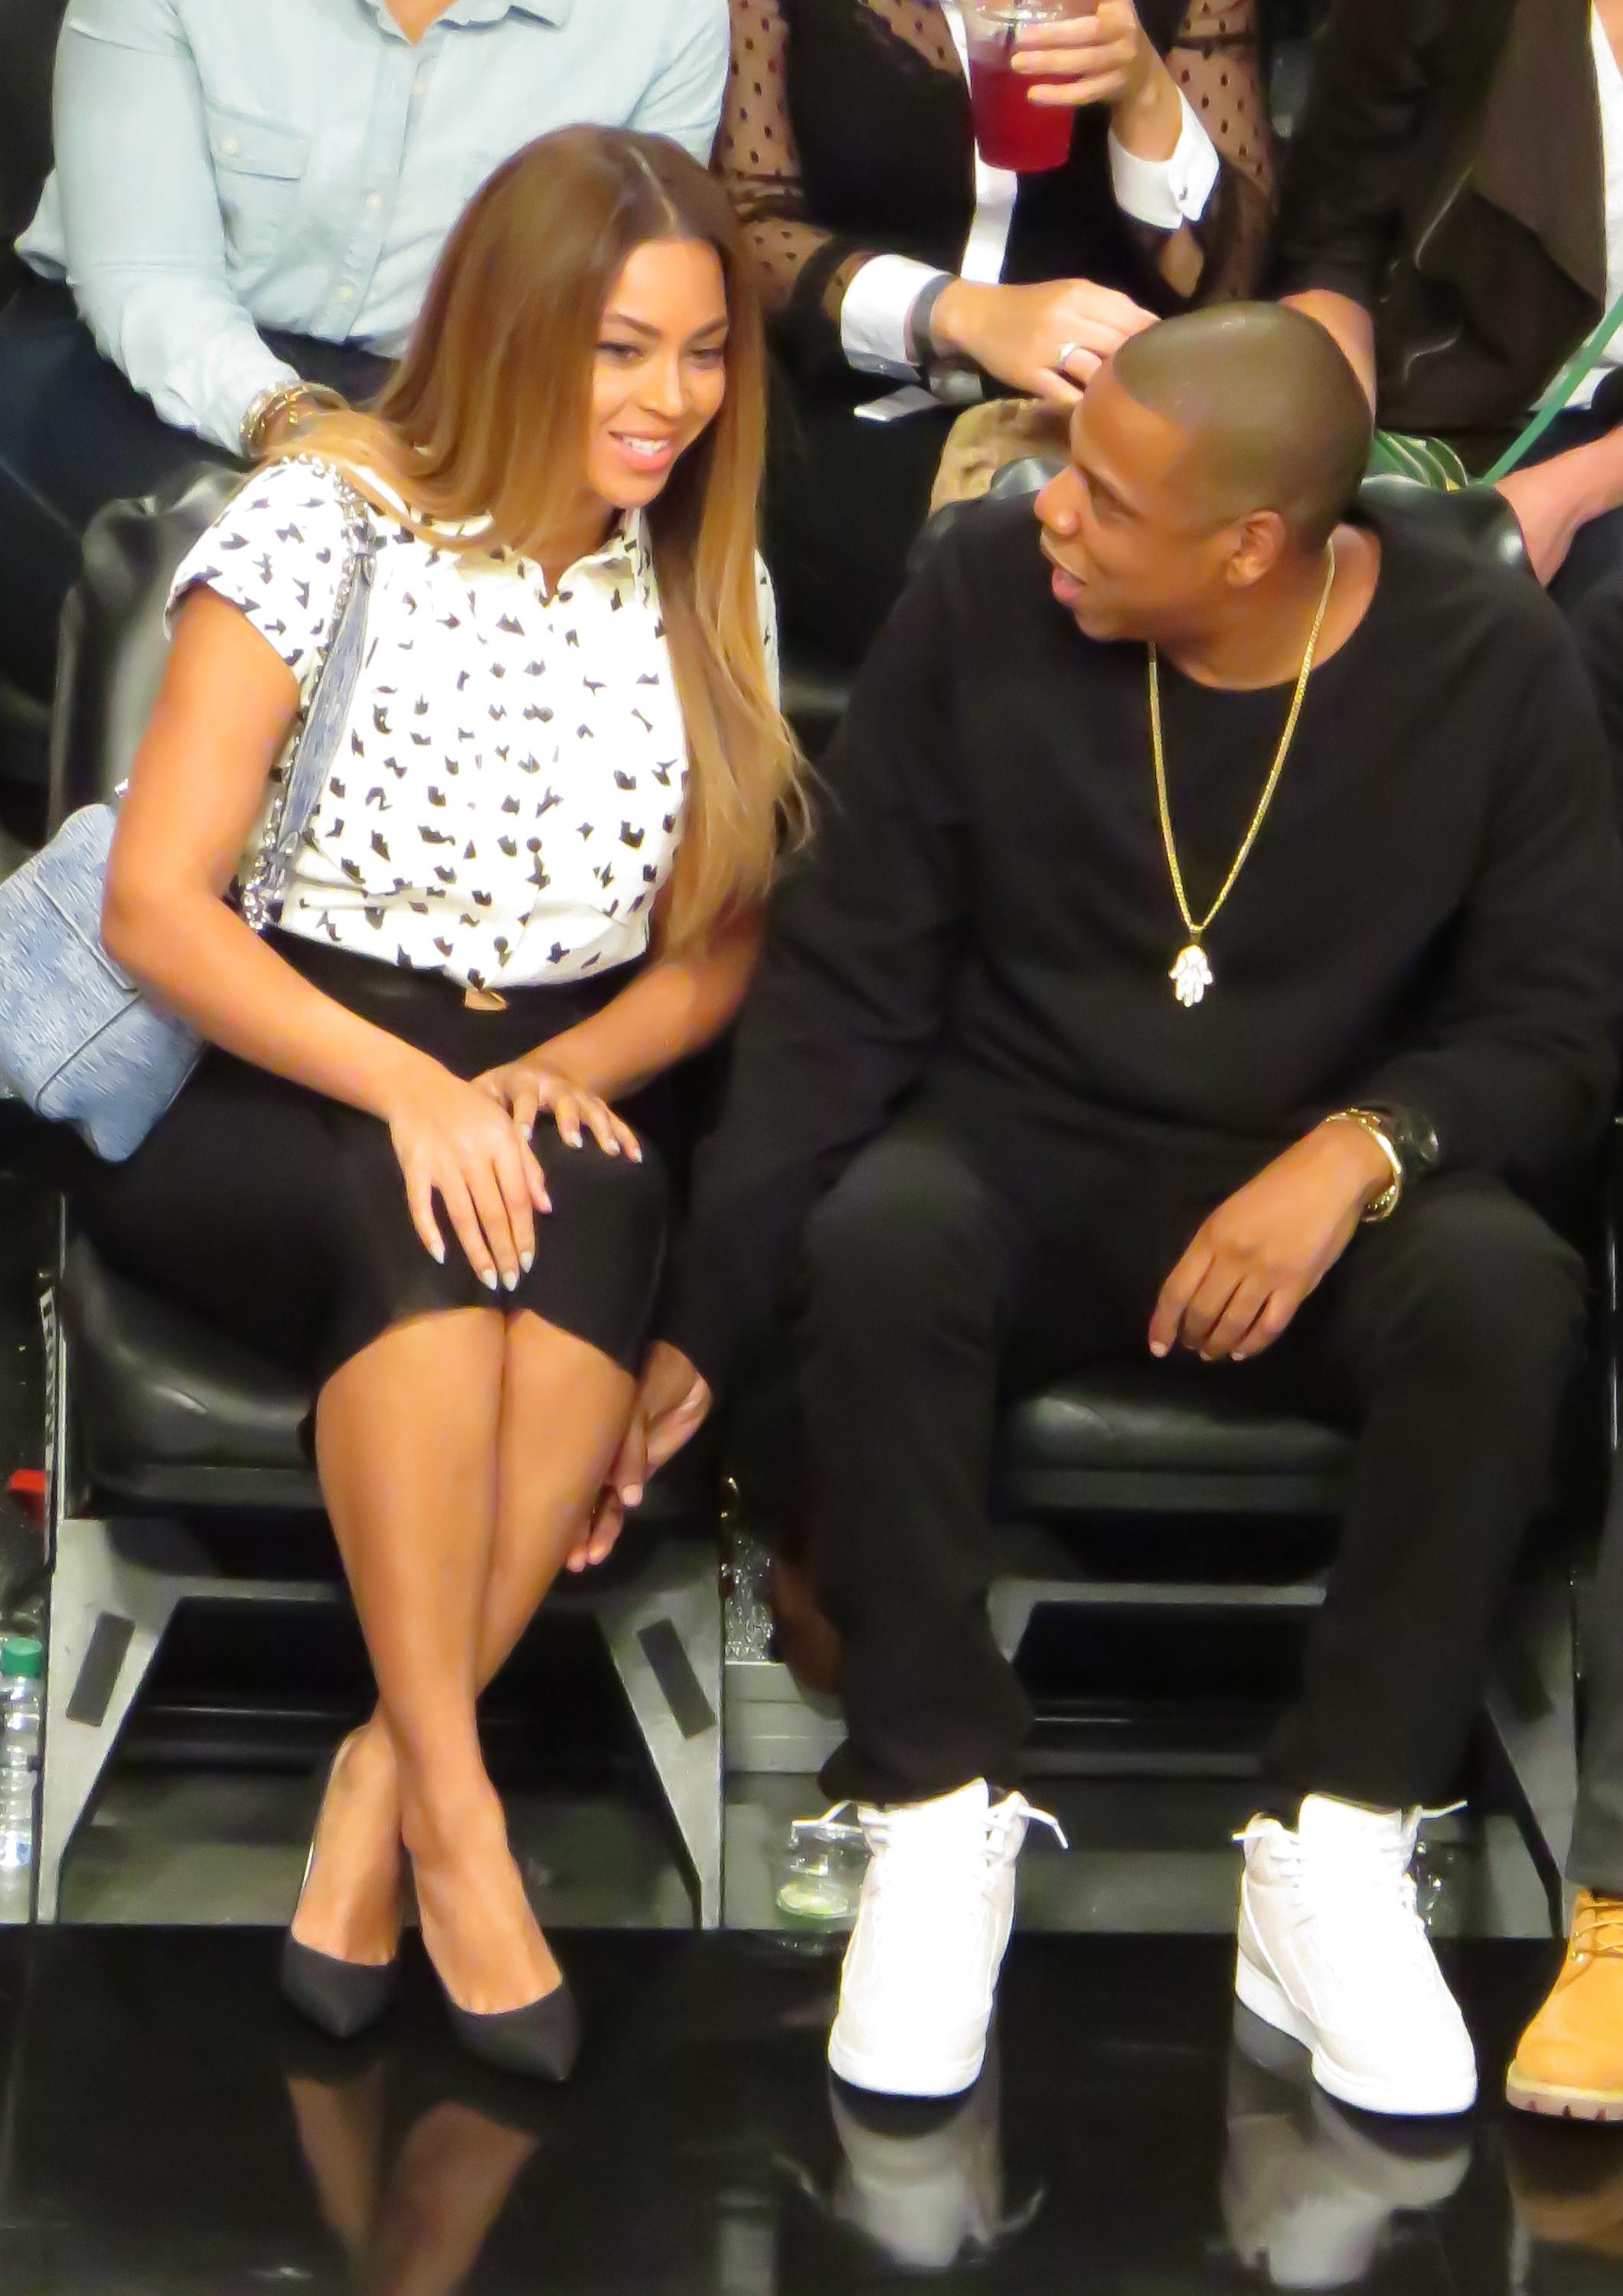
[
  {"x": 1154, "y": 1421},
  {"x": 165, "y": 1409}
]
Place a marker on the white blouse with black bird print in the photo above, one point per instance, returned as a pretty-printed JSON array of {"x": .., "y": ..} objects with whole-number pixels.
[{"x": 506, "y": 798}]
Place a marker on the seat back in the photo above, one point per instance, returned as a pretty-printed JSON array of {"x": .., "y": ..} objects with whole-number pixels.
[
  {"x": 114, "y": 643},
  {"x": 28, "y": 57}
]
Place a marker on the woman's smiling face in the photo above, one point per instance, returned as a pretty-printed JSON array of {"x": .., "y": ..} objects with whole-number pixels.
[{"x": 660, "y": 374}]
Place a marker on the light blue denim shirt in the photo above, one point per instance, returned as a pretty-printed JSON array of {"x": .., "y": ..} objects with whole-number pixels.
[{"x": 225, "y": 165}]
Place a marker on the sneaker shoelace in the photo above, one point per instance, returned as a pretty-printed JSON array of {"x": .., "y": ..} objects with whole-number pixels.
[
  {"x": 913, "y": 1858},
  {"x": 1381, "y": 1886},
  {"x": 1005, "y": 1822}
]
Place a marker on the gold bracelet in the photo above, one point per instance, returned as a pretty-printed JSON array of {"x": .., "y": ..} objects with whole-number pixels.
[
  {"x": 1385, "y": 1203},
  {"x": 281, "y": 399}
]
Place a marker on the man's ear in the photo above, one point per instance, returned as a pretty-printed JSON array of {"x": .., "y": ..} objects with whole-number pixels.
[{"x": 1257, "y": 544}]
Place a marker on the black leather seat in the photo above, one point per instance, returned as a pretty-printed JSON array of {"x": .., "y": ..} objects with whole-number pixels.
[
  {"x": 168, "y": 1414},
  {"x": 1093, "y": 1442}
]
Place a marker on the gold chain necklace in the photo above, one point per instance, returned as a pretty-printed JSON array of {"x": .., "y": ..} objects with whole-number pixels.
[{"x": 1191, "y": 972}]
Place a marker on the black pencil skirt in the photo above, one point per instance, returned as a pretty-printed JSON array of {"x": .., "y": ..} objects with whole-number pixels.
[{"x": 279, "y": 1216}]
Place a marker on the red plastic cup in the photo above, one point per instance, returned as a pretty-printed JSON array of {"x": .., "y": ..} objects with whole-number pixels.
[{"x": 1011, "y": 131}]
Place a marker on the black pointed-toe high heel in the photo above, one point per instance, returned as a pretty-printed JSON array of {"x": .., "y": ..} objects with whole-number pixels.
[
  {"x": 541, "y": 2040},
  {"x": 344, "y": 1998}
]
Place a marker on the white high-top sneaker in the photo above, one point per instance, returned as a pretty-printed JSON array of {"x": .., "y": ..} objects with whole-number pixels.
[
  {"x": 921, "y": 1970},
  {"x": 1334, "y": 1952}
]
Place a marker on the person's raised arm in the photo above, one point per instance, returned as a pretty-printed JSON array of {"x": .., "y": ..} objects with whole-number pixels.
[
  {"x": 683, "y": 99},
  {"x": 1341, "y": 211},
  {"x": 140, "y": 215},
  {"x": 1198, "y": 183}
]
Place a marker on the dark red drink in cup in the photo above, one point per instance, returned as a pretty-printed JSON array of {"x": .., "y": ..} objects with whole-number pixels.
[{"x": 1011, "y": 131}]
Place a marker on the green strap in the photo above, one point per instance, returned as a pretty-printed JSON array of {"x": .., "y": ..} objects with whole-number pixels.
[{"x": 1586, "y": 355}]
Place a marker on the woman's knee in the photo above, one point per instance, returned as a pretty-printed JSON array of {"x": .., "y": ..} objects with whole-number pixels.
[{"x": 616, "y": 1196}]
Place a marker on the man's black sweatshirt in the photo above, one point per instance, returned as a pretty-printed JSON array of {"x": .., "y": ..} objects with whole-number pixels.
[{"x": 1432, "y": 916}]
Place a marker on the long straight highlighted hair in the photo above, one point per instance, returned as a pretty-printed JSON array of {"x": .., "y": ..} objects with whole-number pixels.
[{"x": 487, "y": 418}]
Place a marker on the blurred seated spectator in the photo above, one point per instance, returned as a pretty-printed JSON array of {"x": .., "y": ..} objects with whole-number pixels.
[
  {"x": 1453, "y": 211},
  {"x": 251, "y": 197},
  {"x": 847, "y": 145}
]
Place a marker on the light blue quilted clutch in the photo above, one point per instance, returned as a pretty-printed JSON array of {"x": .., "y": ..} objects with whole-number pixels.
[{"x": 80, "y": 1043}]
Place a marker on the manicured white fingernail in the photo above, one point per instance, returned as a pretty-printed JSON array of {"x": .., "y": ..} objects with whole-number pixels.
[
  {"x": 511, "y": 1280},
  {"x": 614, "y": 1147},
  {"x": 526, "y": 1261},
  {"x": 1157, "y": 1347},
  {"x": 490, "y": 1280},
  {"x": 637, "y": 1155}
]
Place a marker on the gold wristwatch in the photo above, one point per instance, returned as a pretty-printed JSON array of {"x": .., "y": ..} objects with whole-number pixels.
[{"x": 1374, "y": 1123}]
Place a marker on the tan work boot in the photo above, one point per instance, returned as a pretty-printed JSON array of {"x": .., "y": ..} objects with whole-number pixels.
[{"x": 1570, "y": 2060}]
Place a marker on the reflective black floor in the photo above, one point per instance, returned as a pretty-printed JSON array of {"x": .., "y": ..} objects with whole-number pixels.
[{"x": 167, "y": 2129}]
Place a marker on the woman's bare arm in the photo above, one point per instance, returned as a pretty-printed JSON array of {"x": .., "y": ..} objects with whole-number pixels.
[
  {"x": 222, "y": 715},
  {"x": 679, "y": 1005}
]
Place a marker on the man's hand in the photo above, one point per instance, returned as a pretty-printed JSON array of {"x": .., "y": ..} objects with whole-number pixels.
[
  {"x": 1259, "y": 1255},
  {"x": 672, "y": 1405},
  {"x": 1551, "y": 501}
]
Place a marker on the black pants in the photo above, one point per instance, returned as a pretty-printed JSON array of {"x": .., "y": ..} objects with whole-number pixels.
[
  {"x": 74, "y": 436},
  {"x": 940, "y": 1276}
]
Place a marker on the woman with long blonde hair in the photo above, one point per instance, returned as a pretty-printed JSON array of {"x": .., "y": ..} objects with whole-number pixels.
[{"x": 531, "y": 885}]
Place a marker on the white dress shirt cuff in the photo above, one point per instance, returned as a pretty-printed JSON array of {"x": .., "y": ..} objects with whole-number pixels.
[
  {"x": 1166, "y": 193},
  {"x": 873, "y": 314}
]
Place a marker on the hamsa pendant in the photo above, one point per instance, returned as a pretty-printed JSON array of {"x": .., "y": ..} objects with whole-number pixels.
[{"x": 1191, "y": 975}]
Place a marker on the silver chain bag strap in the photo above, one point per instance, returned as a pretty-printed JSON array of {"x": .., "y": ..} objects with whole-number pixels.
[{"x": 80, "y": 1043}]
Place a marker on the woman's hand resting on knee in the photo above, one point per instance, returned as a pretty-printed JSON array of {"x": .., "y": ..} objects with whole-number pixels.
[
  {"x": 458, "y": 1141},
  {"x": 525, "y": 1087}
]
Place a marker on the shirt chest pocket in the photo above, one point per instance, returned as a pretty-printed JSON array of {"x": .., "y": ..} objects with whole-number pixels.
[{"x": 258, "y": 168}]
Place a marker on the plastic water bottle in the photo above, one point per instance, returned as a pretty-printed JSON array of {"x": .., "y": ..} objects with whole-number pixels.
[{"x": 21, "y": 1672}]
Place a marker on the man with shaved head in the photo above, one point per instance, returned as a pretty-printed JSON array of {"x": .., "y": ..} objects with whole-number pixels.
[{"x": 1210, "y": 954}]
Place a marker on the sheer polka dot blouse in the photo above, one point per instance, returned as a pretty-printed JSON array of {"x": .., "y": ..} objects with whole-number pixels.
[
  {"x": 507, "y": 800},
  {"x": 846, "y": 135}
]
